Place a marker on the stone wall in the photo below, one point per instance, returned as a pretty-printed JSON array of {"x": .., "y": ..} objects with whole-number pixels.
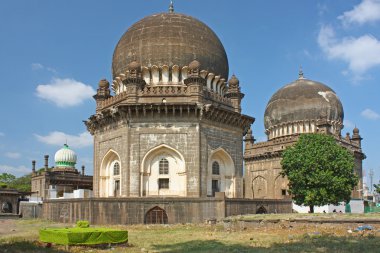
[
  {"x": 247, "y": 206},
  {"x": 133, "y": 210},
  {"x": 30, "y": 210}
]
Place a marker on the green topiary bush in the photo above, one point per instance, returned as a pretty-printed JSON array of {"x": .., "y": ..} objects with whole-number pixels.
[
  {"x": 83, "y": 224},
  {"x": 83, "y": 236}
]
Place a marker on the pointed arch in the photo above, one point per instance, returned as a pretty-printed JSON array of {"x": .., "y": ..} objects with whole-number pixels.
[
  {"x": 159, "y": 149},
  {"x": 259, "y": 187},
  {"x": 224, "y": 181},
  {"x": 109, "y": 183},
  {"x": 163, "y": 172},
  {"x": 280, "y": 187}
]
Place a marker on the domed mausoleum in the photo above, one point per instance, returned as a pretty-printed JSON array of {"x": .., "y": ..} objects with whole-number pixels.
[
  {"x": 303, "y": 106},
  {"x": 170, "y": 124},
  {"x": 60, "y": 180}
]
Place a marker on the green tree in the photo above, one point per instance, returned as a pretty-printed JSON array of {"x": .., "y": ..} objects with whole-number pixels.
[
  {"x": 377, "y": 188},
  {"x": 6, "y": 179},
  {"x": 22, "y": 184},
  {"x": 319, "y": 171}
]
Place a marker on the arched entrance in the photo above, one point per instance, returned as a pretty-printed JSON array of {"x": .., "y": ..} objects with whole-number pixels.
[
  {"x": 110, "y": 175},
  {"x": 261, "y": 210},
  {"x": 163, "y": 172},
  {"x": 156, "y": 215},
  {"x": 221, "y": 174}
]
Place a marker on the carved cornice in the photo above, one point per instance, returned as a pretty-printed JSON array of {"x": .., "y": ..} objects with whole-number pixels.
[
  {"x": 263, "y": 156},
  {"x": 125, "y": 112},
  {"x": 228, "y": 117}
]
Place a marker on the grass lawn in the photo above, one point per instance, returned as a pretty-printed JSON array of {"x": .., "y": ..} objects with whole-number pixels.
[{"x": 22, "y": 236}]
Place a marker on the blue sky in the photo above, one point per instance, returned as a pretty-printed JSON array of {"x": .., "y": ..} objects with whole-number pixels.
[{"x": 53, "y": 53}]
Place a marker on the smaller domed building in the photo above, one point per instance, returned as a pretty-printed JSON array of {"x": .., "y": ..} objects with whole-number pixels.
[
  {"x": 303, "y": 106},
  {"x": 62, "y": 178}
]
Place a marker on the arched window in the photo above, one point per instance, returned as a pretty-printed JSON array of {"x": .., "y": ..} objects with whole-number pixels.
[
  {"x": 164, "y": 166},
  {"x": 215, "y": 168},
  {"x": 116, "y": 169}
]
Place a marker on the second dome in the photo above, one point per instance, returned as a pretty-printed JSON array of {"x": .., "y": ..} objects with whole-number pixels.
[{"x": 302, "y": 102}]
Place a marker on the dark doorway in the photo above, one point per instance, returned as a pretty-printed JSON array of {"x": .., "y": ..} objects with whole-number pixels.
[
  {"x": 6, "y": 207},
  {"x": 215, "y": 187},
  {"x": 156, "y": 215},
  {"x": 117, "y": 188},
  {"x": 261, "y": 210}
]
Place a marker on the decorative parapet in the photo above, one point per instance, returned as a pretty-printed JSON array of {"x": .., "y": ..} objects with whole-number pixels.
[
  {"x": 210, "y": 95},
  {"x": 169, "y": 90},
  {"x": 164, "y": 91},
  {"x": 113, "y": 100}
]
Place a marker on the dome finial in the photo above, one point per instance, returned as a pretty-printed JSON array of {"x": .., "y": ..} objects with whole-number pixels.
[
  {"x": 171, "y": 7},
  {"x": 300, "y": 73}
]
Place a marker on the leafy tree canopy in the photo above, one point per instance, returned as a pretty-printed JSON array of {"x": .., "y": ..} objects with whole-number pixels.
[
  {"x": 22, "y": 184},
  {"x": 6, "y": 178},
  {"x": 319, "y": 171},
  {"x": 377, "y": 188}
]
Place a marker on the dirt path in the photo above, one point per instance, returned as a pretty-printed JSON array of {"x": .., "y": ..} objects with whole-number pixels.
[{"x": 7, "y": 227}]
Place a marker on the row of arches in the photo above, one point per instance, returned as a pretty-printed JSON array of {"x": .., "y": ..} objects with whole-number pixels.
[
  {"x": 175, "y": 75},
  {"x": 163, "y": 171},
  {"x": 261, "y": 189}
]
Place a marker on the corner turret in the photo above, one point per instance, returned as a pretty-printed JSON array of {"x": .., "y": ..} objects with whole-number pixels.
[{"x": 234, "y": 93}]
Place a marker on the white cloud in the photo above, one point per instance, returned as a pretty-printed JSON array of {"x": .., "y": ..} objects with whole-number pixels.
[
  {"x": 13, "y": 155},
  {"x": 370, "y": 114},
  {"x": 360, "y": 53},
  {"x": 39, "y": 66},
  {"x": 367, "y": 11},
  {"x": 322, "y": 9},
  {"x": 59, "y": 138},
  {"x": 348, "y": 124},
  {"x": 65, "y": 92},
  {"x": 17, "y": 171}
]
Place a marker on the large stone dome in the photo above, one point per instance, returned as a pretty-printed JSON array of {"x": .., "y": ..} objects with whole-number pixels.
[
  {"x": 303, "y": 101},
  {"x": 170, "y": 39}
]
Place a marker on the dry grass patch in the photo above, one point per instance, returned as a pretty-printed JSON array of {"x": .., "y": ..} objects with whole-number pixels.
[{"x": 265, "y": 238}]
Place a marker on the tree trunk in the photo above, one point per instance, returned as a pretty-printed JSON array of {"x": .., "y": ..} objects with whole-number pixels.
[{"x": 311, "y": 209}]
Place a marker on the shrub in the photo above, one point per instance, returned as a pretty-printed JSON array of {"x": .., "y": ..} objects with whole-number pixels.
[{"x": 83, "y": 224}]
